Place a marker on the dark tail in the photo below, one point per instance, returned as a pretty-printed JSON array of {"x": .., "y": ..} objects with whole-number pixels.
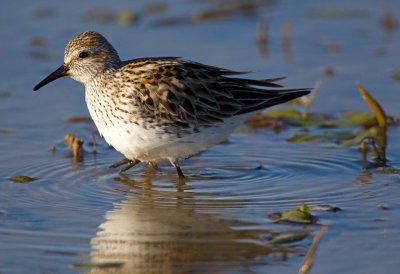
[{"x": 280, "y": 96}]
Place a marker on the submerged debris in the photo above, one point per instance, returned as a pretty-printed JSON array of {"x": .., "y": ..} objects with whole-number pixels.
[
  {"x": 289, "y": 237},
  {"x": 388, "y": 20},
  {"x": 23, "y": 179},
  {"x": 43, "y": 12},
  {"x": 325, "y": 208},
  {"x": 104, "y": 265},
  {"x": 329, "y": 71},
  {"x": 53, "y": 149},
  {"x": 388, "y": 170},
  {"x": 4, "y": 94},
  {"x": 262, "y": 38},
  {"x": 308, "y": 261},
  {"x": 37, "y": 41},
  {"x": 79, "y": 119},
  {"x": 74, "y": 144},
  {"x": 94, "y": 144},
  {"x": 287, "y": 41},
  {"x": 396, "y": 74},
  {"x": 333, "y": 48}
]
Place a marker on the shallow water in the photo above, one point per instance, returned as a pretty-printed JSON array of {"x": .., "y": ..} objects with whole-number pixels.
[{"x": 84, "y": 217}]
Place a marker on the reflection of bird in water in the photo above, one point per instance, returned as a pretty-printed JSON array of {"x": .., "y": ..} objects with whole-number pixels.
[
  {"x": 156, "y": 233},
  {"x": 157, "y": 109}
]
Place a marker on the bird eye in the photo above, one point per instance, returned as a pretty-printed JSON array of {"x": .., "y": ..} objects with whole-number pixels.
[{"x": 83, "y": 54}]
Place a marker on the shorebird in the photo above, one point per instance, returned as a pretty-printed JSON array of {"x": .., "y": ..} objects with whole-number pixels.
[{"x": 162, "y": 108}]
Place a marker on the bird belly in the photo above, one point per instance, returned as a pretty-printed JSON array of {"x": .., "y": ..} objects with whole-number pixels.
[{"x": 135, "y": 142}]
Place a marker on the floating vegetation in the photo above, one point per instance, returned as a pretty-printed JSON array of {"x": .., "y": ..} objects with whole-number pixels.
[
  {"x": 4, "y": 130},
  {"x": 23, "y": 179},
  {"x": 301, "y": 215},
  {"x": 126, "y": 17},
  {"x": 370, "y": 135}
]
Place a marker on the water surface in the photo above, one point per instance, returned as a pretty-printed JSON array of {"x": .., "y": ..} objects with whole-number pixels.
[{"x": 85, "y": 217}]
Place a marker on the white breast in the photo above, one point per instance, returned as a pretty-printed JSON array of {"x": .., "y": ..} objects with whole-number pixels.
[{"x": 136, "y": 142}]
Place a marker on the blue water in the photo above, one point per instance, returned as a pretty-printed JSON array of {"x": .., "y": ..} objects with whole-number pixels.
[{"x": 78, "y": 217}]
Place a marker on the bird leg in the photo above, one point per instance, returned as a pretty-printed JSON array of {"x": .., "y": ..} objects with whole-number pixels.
[
  {"x": 120, "y": 163},
  {"x": 175, "y": 163},
  {"x": 130, "y": 164}
]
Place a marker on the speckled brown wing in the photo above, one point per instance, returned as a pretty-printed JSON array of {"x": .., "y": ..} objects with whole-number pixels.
[{"x": 189, "y": 94}]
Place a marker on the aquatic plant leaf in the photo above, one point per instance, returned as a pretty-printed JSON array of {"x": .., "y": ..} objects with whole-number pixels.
[
  {"x": 290, "y": 237},
  {"x": 296, "y": 118},
  {"x": 300, "y": 215},
  {"x": 374, "y": 105},
  {"x": 322, "y": 136},
  {"x": 296, "y": 216},
  {"x": 305, "y": 209},
  {"x": 22, "y": 179},
  {"x": 352, "y": 119},
  {"x": 357, "y": 137},
  {"x": 283, "y": 113}
]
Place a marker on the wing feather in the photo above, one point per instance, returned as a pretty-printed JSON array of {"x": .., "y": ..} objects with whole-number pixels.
[{"x": 186, "y": 93}]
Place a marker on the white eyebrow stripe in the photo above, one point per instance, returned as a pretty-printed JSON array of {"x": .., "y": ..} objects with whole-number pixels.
[{"x": 68, "y": 57}]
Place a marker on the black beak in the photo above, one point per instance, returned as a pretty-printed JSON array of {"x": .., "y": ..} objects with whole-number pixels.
[{"x": 60, "y": 72}]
